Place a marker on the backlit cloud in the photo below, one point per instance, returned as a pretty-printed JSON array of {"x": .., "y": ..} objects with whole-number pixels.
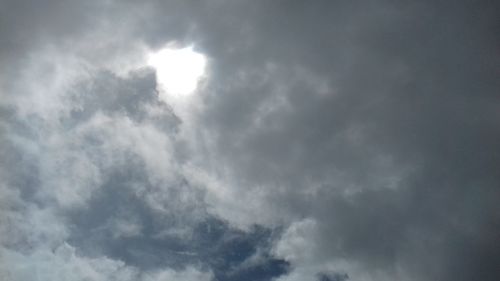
[{"x": 249, "y": 140}]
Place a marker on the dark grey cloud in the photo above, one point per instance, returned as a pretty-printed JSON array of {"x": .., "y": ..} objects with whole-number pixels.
[
  {"x": 407, "y": 120},
  {"x": 335, "y": 141}
]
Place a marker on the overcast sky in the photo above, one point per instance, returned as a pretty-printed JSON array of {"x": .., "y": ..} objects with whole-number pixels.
[{"x": 320, "y": 141}]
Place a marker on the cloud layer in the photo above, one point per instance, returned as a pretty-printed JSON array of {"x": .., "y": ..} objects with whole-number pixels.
[{"x": 328, "y": 141}]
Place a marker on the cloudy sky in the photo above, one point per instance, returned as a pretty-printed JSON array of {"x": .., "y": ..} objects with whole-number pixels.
[{"x": 242, "y": 140}]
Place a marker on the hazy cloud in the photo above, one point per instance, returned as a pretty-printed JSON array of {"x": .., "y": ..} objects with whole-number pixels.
[{"x": 328, "y": 141}]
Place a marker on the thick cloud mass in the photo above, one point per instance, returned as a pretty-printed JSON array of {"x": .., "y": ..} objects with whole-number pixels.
[{"x": 329, "y": 140}]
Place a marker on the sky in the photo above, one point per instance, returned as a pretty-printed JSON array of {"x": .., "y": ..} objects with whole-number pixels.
[{"x": 238, "y": 140}]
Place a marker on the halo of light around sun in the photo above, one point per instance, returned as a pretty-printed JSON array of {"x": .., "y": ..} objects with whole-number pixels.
[{"x": 178, "y": 71}]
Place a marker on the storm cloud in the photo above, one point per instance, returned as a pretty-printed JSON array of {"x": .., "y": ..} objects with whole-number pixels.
[{"x": 326, "y": 140}]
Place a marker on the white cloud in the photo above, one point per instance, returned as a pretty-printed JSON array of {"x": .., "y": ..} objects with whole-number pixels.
[{"x": 188, "y": 274}]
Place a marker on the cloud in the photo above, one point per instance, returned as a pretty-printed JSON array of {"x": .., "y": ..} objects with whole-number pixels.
[
  {"x": 330, "y": 140},
  {"x": 377, "y": 149},
  {"x": 64, "y": 264}
]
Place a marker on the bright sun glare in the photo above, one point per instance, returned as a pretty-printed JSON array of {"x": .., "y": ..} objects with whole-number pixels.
[{"x": 178, "y": 71}]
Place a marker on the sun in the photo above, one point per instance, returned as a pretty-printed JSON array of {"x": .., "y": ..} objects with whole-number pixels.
[{"x": 178, "y": 71}]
